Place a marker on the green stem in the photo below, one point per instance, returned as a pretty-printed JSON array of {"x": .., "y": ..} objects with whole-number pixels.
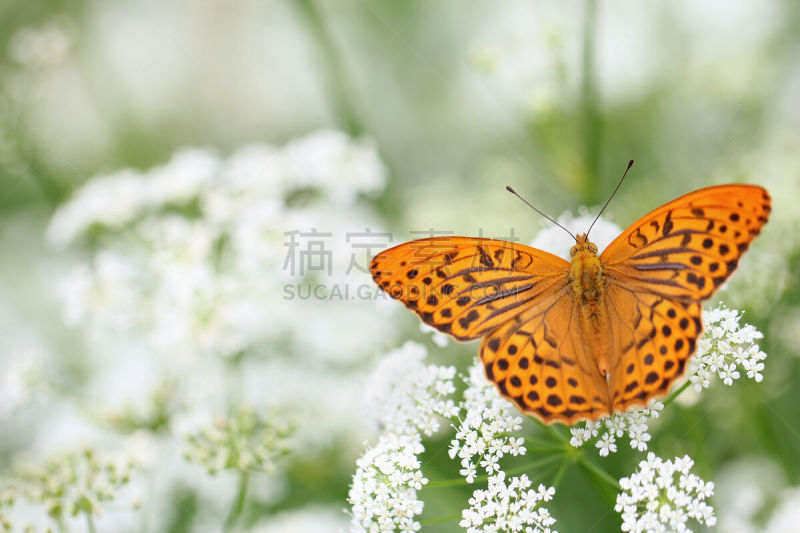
[
  {"x": 511, "y": 471},
  {"x": 238, "y": 502},
  {"x": 590, "y": 116},
  {"x": 562, "y": 469},
  {"x": 29, "y": 150},
  {"x": 548, "y": 448},
  {"x": 90, "y": 527},
  {"x": 676, "y": 393},
  {"x": 541, "y": 443},
  {"x": 598, "y": 471},
  {"x": 334, "y": 70},
  {"x": 550, "y": 430}
]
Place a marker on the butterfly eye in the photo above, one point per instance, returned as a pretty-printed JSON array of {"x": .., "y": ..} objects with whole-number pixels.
[
  {"x": 573, "y": 250},
  {"x": 592, "y": 248}
]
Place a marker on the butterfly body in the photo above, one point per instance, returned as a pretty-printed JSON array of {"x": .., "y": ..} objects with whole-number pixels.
[
  {"x": 604, "y": 332},
  {"x": 587, "y": 278},
  {"x": 587, "y": 287}
]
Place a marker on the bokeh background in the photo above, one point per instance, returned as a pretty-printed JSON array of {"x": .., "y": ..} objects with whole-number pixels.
[{"x": 164, "y": 164}]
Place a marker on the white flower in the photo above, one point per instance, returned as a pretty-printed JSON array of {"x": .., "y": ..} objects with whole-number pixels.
[
  {"x": 384, "y": 491},
  {"x": 725, "y": 348},
  {"x": 483, "y": 435},
  {"x": 608, "y": 429},
  {"x": 663, "y": 495},
  {"x": 406, "y": 397},
  {"x": 606, "y": 444},
  {"x": 110, "y": 201},
  {"x": 341, "y": 167},
  {"x": 178, "y": 282},
  {"x": 77, "y": 482},
  {"x": 509, "y": 507},
  {"x": 244, "y": 441}
]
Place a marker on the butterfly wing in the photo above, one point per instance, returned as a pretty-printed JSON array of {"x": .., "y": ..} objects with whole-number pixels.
[
  {"x": 687, "y": 248},
  {"x": 542, "y": 362},
  {"x": 466, "y": 287},
  {"x": 658, "y": 272},
  {"x": 533, "y": 351},
  {"x": 652, "y": 337}
]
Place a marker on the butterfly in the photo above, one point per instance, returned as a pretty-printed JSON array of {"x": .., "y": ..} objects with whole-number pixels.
[{"x": 582, "y": 339}]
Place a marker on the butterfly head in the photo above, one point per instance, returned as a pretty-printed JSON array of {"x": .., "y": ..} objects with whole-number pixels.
[{"x": 582, "y": 244}]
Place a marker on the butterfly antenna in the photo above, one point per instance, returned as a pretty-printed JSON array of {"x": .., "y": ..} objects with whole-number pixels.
[
  {"x": 512, "y": 191},
  {"x": 630, "y": 164}
]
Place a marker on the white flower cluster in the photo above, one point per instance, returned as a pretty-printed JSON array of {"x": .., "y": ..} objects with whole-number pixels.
[
  {"x": 186, "y": 284},
  {"x": 484, "y": 435},
  {"x": 385, "y": 485},
  {"x": 328, "y": 161},
  {"x": 188, "y": 267},
  {"x": 726, "y": 349},
  {"x": 243, "y": 442},
  {"x": 405, "y": 396},
  {"x": 189, "y": 257},
  {"x": 608, "y": 429},
  {"x": 662, "y": 495},
  {"x": 512, "y": 507},
  {"x": 77, "y": 483}
]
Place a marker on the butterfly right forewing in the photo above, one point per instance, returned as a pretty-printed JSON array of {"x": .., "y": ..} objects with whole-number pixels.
[
  {"x": 466, "y": 287},
  {"x": 687, "y": 248}
]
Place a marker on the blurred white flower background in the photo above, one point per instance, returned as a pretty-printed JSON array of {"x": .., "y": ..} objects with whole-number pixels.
[{"x": 190, "y": 194}]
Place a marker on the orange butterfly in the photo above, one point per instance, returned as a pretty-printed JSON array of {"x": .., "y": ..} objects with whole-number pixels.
[{"x": 568, "y": 341}]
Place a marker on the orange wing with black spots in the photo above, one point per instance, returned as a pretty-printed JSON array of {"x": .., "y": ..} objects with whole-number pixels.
[
  {"x": 660, "y": 270},
  {"x": 687, "y": 248},
  {"x": 518, "y": 298},
  {"x": 652, "y": 338},
  {"x": 541, "y": 361},
  {"x": 466, "y": 287},
  {"x": 581, "y": 340}
]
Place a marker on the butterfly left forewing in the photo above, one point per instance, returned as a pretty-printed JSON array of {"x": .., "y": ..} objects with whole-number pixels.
[{"x": 466, "y": 287}]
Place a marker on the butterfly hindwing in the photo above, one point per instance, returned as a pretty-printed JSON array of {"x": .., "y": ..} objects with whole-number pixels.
[
  {"x": 687, "y": 248},
  {"x": 652, "y": 338},
  {"x": 466, "y": 287},
  {"x": 541, "y": 362}
]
